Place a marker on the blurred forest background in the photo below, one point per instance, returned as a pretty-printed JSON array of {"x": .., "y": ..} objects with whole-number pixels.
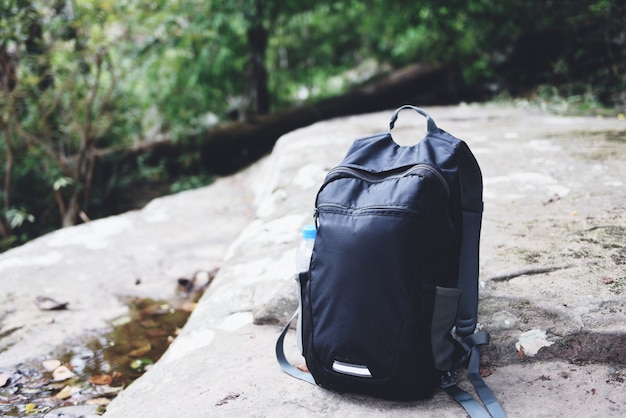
[{"x": 105, "y": 104}]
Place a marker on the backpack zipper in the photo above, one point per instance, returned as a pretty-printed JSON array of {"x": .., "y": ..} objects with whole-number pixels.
[
  {"x": 342, "y": 172},
  {"x": 339, "y": 172},
  {"x": 365, "y": 208}
]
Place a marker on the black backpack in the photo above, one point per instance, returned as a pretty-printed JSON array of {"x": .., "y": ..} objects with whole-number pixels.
[{"x": 390, "y": 301}]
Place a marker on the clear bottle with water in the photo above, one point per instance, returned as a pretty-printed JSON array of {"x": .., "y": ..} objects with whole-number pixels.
[{"x": 303, "y": 260}]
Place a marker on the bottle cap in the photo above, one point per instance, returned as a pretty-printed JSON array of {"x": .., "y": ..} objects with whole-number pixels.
[{"x": 309, "y": 231}]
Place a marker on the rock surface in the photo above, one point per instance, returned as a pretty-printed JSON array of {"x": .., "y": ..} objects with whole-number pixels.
[
  {"x": 553, "y": 261},
  {"x": 94, "y": 266}
]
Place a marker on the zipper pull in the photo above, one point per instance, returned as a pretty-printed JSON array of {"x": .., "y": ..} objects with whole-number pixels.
[{"x": 316, "y": 215}]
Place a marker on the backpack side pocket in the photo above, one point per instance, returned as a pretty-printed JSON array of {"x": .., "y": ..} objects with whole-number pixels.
[{"x": 301, "y": 279}]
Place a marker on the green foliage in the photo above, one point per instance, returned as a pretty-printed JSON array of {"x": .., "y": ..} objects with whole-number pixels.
[
  {"x": 190, "y": 182},
  {"x": 80, "y": 76},
  {"x": 17, "y": 217}
]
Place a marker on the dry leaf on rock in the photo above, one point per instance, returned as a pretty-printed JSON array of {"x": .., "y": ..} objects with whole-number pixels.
[
  {"x": 101, "y": 379},
  {"x": 51, "y": 364},
  {"x": 98, "y": 401},
  {"x": 157, "y": 309},
  {"x": 155, "y": 333},
  {"x": 45, "y": 303},
  {"x": 36, "y": 384},
  {"x": 30, "y": 408},
  {"x": 149, "y": 323},
  {"x": 106, "y": 390},
  {"x": 227, "y": 398},
  {"x": 11, "y": 399},
  {"x": 140, "y": 351},
  {"x": 66, "y": 392},
  {"x": 484, "y": 372},
  {"x": 122, "y": 320},
  {"x": 188, "y": 306},
  {"x": 62, "y": 373}
]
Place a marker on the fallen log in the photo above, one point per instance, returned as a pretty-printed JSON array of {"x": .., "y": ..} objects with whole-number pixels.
[{"x": 230, "y": 147}]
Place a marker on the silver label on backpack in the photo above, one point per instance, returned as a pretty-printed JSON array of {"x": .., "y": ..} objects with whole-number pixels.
[{"x": 358, "y": 370}]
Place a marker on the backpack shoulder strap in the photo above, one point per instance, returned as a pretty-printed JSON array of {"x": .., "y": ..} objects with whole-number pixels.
[
  {"x": 471, "y": 185},
  {"x": 472, "y": 205},
  {"x": 471, "y": 405},
  {"x": 287, "y": 367}
]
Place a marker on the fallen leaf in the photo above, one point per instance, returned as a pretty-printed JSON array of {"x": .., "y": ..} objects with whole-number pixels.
[
  {"x": 98, "y": 401},
  {"x": 303, "y": 367},
  {"x": 229, "y": 397},
  {"x": 45, "y": 303},
  {"x": 30, "y": 408},
  {"x": 552, "y": 199},
  {"x": 149, "y": 323},
  {"x": 484, "y": 372},
  {"x": 593, "y": 391},
  {"x": 608, "y": 280},
  {"x": 521, "y": 353},
  {"x": 101, "y": 379},
  {"x": 157, "y": 309},
  {"x": 62, "y": 373},
  {"x": 106, "y": 390},
  {"x": 188, "y": 306},
  {"x": 156, "y": 333},
  {"x": 122, "y": 320},
  {"x": 140, "y": 351},
  {"x": 48, "y": 402},
  {"x": 11, "y": 399},
  {"x": 51, "y": 364},
  {"x": 4, "y": 378},
  {"x": 66, "y": 392},
  {"x": 56, "y": 385},
  {"x": 36, "y": 384}
]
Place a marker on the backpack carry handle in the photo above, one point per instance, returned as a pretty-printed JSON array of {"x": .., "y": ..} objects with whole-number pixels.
[{"x": 430, "y": 123}]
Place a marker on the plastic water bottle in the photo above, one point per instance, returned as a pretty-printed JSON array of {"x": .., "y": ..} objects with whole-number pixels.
[
  {"x": 305, "y": 249},
  {"x": 303, "y": 260}
]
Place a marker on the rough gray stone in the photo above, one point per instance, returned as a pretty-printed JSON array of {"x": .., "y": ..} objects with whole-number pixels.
[{"x": 552, "y": 259}]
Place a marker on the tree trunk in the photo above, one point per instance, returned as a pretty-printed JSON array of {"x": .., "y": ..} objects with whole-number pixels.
[{"x": 257, "y": 39}]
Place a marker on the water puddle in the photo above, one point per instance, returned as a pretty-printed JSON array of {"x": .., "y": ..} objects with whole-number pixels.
[{"x": 93, "y": 370}]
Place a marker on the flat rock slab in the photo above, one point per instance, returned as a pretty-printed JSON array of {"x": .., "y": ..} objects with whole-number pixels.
[
  {"x": 93, "y": 267},
  {"x": 552, "y": 275}
]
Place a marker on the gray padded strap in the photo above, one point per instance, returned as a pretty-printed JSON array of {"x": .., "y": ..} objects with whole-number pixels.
[
  {"x": 287, "y": 367},
  {"x": 472, "y": 204},
  {"x": 473, "y": 408},
  {"x": 473, "y": 369}
]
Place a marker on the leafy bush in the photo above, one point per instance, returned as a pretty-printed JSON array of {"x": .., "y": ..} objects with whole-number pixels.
[{"x": 80, "y": 77}]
